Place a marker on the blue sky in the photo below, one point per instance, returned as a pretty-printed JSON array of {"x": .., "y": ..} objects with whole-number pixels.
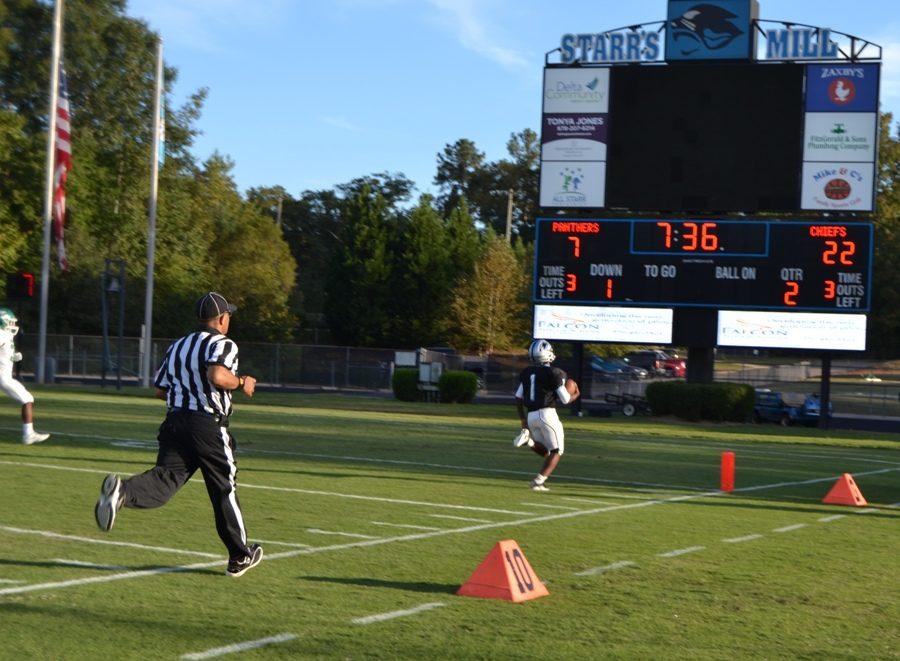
[{"x": 309, "y": 94}]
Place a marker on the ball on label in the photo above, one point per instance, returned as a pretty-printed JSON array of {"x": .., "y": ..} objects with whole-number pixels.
[{"x": 571, "y": 386}]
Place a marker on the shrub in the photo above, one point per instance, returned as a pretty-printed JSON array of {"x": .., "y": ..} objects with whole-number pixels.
[
  {"x": 702, "y": 401},
  {"x": 405, "y": 384},
  {"x": 458, "y": 386}
]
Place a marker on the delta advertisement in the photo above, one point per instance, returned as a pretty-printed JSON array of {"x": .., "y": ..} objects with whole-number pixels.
[
  {"x": 574, "y": 138},
  {"x": 792, "y": 330},
  {"x": 603, "y": 324}
]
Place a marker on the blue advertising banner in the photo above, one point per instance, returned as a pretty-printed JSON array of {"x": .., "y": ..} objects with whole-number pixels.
[
  {"x": 710, "y": 30},
  {"x": 842, "y": 87}
]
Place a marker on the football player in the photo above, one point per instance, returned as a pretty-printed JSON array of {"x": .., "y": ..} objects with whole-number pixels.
[
  {"x": 9, "y": 326},
  {"x": 541, "y": 388}
]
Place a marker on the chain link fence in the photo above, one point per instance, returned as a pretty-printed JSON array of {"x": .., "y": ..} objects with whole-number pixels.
[{"x": 866, "y": 387}]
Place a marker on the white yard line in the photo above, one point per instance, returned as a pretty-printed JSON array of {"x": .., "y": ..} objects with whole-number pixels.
[
  {"x": 398, "y": 501},
  {"x": 745, "y": 538},
  {"x": 796, "y": 526},
  {"x": 82, "y": 563},
  {"x": 460, "y": 518},
  {"x": 107, "y": 542},
  {"x": 677, "y": 552},
  {"x": 381, "y": 617},
  {"x": 294, "y": 544},
  {"x": 833, "y": 517},
  {"x": 554, "y": 507},
  {"x": 585, "y": 500},
  {"x": 312, "y": 492},
  {"x": 317, "y": 531},
  {"x": 412, "y": 537},
  {"x": 868, "y": 510},
  {"x": 594, "y": 571},
  {"x": 240, "y": 647},
  {"x": 144, "y": 444},
  {"x": 403, "y": 525}
]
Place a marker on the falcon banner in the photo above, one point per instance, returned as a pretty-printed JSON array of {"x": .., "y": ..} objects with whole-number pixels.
[{"x": 62, "y": 165}]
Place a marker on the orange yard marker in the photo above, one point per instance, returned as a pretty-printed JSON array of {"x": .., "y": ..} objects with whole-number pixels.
[
  {"x": 504, "y": 574},
  {"x": 845, "y": 492},
  {"x": 727, "y": 472}
]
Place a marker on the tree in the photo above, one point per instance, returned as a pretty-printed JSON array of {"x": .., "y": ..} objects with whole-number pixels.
[
  {"x": 458, "y": 173},
  {"x": 885, "y": 318},
  {"x": 486, "y": 306},
  {"x": 425, "y": 274},
  {"x": 359, "y": 292}
]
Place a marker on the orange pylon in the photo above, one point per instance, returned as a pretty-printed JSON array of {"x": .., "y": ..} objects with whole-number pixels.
[
  {"x": 504, "y": 574},
  {"x": 845, "y": 492}
]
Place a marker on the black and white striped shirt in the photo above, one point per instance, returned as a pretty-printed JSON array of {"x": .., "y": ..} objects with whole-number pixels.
[{"x": 183, "y": 372}]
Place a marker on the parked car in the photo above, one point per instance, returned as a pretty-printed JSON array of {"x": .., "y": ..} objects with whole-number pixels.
[
  {"x": 634, "y": 372},
  {"x": 607, "y": 371},
  {"x": 658, "y": 363},
  {"x": 788, "y": 408}
]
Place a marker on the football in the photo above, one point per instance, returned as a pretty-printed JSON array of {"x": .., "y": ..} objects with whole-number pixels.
[{"x": 571, "y": 387}]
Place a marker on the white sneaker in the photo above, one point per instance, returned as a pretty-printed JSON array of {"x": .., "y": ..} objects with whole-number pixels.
[
  {"x": 109, "y": 502},
  {"x": 34, "y": 437},
  {"x": 522, "y": 439},
  {"x": 538, "y": 487}
]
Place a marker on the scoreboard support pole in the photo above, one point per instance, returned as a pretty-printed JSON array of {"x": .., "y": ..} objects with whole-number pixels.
[
  {"x": 825, "y": 391},
  {"x": 578, "y": 357}
]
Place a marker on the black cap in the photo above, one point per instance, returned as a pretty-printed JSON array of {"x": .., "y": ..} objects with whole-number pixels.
[{"x": 213, "y": 304}]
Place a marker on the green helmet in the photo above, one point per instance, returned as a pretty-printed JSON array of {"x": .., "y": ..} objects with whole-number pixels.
[{"x": 8, "y": 321}]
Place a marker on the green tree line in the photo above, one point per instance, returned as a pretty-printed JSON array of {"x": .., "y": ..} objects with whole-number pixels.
[{"x": 368, "y": 261}]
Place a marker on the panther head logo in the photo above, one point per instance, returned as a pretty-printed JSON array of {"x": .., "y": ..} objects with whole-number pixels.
[{"x": 704, "y": 26}]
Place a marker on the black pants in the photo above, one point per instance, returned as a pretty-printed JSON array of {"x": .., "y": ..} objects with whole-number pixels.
[{"x": 188, "y": 441}]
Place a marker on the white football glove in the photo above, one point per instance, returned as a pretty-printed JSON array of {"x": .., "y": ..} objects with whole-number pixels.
[{"x": 16, "y": 357}]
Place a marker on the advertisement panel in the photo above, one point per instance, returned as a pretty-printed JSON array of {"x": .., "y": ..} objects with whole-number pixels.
[
  {"x": 842, "y": 87},
  {"x": 837, "y": 186},
  {"x": 840, "y": 136},
  {"x": 606, "y": 324},
  {"x": 792, "y": 330},
  {"x": 578, "y": 91},
  {"x": 571, "y": 137},
  {"x": 710, "y": 30},
  {"x": 573, "y": 184}
]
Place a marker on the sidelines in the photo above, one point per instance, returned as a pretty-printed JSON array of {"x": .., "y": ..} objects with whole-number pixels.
[
  {"x": 677, "y": 552},
  {"x": 621, "y": 564},
  {"x": 745, "y": 538},
  {"x": 81, "y": 563},
  {"x": 90, "y": 540},
  {"x": 413, "y": 537},
  {"x": 381, "y": 617},
  {"x": 240, "y": 647}
]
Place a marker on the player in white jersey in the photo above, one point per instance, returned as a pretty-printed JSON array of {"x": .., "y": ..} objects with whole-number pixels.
[
  {"x": 9, "y": 326},
  {"x": 541, "y": 388}
]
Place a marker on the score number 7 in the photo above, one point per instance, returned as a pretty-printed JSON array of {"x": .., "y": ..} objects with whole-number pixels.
[{"x": 576, "y": 245}]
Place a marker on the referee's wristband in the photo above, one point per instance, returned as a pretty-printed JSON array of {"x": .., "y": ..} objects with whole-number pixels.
[{"x": 240, "y": 383}]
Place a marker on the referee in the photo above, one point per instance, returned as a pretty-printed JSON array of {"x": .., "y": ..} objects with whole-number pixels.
[{"x": 196, "y": 380}]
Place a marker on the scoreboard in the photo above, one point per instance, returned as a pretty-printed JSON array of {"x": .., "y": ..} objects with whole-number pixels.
[{"x": 740, "y": 265}]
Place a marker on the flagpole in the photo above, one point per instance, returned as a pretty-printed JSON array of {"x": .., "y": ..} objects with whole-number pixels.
[
  {"x": 151, "y": 221},
  {"x": 48, "y": 185}
]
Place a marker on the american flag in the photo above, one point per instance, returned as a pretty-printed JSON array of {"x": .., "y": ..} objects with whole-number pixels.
[{"x": 63, "y": 159}]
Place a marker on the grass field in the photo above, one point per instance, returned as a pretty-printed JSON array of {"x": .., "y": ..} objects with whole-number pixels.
[{"x": 368, "y": 506}]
